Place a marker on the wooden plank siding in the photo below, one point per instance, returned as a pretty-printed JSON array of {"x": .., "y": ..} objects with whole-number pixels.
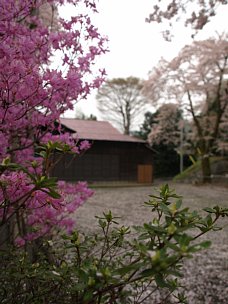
[{"x": 107, "y": 161}]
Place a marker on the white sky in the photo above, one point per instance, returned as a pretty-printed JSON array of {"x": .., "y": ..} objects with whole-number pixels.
[{"x": 136, "y": 46}]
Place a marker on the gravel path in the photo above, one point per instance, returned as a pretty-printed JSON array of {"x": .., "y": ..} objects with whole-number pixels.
[{"x": 206, "y": 275}]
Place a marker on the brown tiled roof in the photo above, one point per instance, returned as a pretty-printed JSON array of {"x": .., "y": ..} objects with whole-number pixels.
[{"x": 96, "y": 130}]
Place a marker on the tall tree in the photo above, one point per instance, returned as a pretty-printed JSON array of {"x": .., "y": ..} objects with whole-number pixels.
[
  {"x": 120, "y": 100},
  {"x": 197, "y": 78}
]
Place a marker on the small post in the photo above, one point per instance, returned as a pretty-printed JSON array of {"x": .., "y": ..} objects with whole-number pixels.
[{"x": 181, "y": 146}]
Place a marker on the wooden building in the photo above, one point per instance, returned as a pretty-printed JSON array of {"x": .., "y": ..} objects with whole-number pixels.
[{"x": 112, "y": 156}]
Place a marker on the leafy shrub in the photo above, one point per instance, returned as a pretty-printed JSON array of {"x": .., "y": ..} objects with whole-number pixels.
[{"x": 115, "y": 265}]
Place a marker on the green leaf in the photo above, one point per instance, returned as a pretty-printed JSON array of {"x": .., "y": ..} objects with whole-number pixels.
[
  {"x": 164, "y": 190},
  {"x": 198, "y": 247},
  {"x": 209, "y": 220},
  {"x": 165, "y": 208},
  {"x": 209, "y": 210},
  {"x": 178, "y": 203},
  {"x": 150, "y": 272},
  {"x": 205, "y": 244},
  {"x": 172, "y": 246},
  {"x": 126, "y": 269},
  {"x": 6, "y": 161},
  {"x": 54, "y": 194},
  {"x": 51, "y": 181},
  {"x": 43, "y": 154},
  {"x": 159, "y": 279},
  {"x": 152, "y": 228},
  {"x": 216, "y": 228},
  {"x": 102, "y": 223}
]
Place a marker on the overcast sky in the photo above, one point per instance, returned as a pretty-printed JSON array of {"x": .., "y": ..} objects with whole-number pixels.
[{"x": 136, "y": 46}]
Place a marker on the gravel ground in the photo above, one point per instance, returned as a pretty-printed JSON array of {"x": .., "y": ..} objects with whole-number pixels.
[{"x": 206, "y": 275}]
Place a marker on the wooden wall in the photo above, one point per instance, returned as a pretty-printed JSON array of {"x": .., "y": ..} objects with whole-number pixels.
[{"x": 106, "y": 161}]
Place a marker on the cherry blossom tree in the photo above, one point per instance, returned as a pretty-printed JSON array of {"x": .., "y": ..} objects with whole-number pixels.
[
  {"x": 166, "y": 128},
  {"x": 197, "y": 79},
  {"x": 162, "y": 129},
  {"x": 196, "y": 13},
  {"x": 33, "y": 95},
  {"x": 121, "y": 101}
]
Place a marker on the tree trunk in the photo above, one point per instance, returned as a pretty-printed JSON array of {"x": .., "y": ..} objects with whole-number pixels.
[
  {"x": 7, "y": 233},
  {"x": 206, "y": 169},
  {"x": 126, "y": 130}
]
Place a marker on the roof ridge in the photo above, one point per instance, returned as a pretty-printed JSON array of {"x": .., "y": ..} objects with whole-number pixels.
[
  {"x": 90, "y": 120},
  {"x": 97, "y": 130}
]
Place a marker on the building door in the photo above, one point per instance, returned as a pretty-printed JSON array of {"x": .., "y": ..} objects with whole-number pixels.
[{"x": 145, "y": 174}]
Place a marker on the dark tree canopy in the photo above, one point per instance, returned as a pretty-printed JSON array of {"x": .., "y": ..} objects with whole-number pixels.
[
  {"x": 145, "y": 128},
  {"x": 83, "y": 116},
  {"x": 162, "y": 130}
]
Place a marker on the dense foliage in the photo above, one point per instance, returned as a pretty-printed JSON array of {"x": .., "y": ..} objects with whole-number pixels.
[{"x": 117, "y": 264}]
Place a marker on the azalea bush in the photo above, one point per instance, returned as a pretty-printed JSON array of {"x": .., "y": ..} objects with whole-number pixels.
[
  {"x": 117, "y": 264},
  {"x": 35, "y": 203},
  {"x": 34, "y": 92}
]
